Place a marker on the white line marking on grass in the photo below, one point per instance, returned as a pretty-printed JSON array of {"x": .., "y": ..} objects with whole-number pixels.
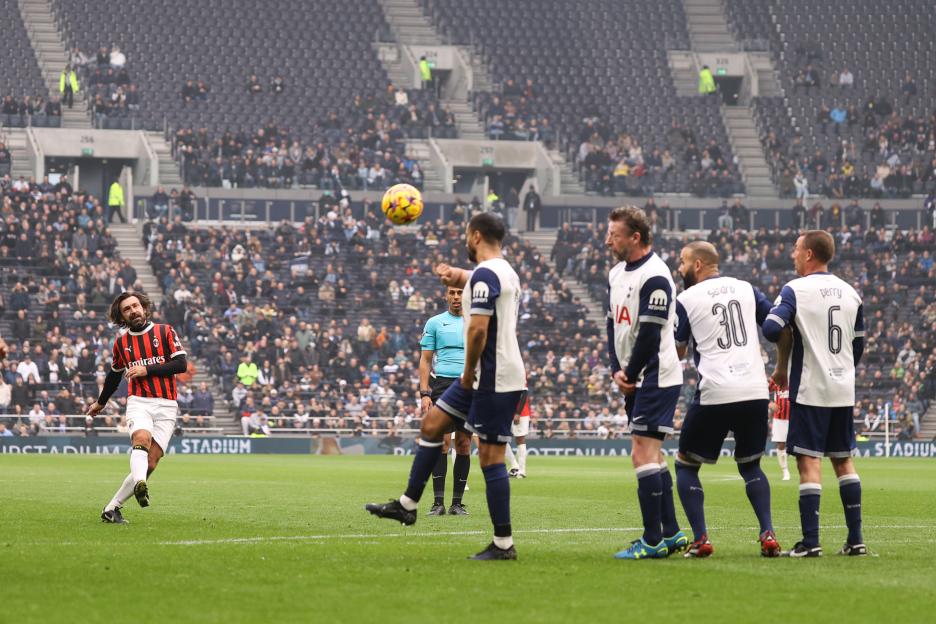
[{"x": 372, "y": 536}]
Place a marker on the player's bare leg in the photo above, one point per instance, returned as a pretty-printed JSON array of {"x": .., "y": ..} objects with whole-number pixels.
[
  {"x": 810, "y": 491},
  {"x": 491, "y": 457},
  {"x": 434, "y": 427},
  {"x": 850, "y": 492},
  {"x": 460, "y": 472}
]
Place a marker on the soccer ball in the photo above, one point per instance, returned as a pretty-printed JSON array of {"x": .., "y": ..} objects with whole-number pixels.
[{"x": 402, "y": 204}]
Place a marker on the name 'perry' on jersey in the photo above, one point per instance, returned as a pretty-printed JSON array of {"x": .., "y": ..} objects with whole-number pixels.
[
  {"x": 721, "y": 315},
  {"x": 827, "y": 316},
  {"x": 495, "y": 292},
  {"x": 642, "y": 292}
]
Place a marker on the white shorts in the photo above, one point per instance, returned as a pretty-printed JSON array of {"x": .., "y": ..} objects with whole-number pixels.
[
  {"x": 521, "y": 428},
  {"x": 779, "y": 430},
  {"x": 158, "y": 416}
]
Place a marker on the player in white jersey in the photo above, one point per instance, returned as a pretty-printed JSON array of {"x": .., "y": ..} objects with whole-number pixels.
[
  {"x": 646, "y": 368},
  {"x": 485, "y": 399},
  {"x": 824, "y": 314},
  {"x": 720, "y": 316}
]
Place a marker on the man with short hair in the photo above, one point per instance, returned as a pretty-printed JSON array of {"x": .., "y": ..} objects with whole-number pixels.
[
  {"x": 441, "y": 361},
  {"x": 720, "y": 315},
  {"x": 646, "y": 369},
  {"x": 486, "y": 397},
  {"x": 824, "y": 315}
]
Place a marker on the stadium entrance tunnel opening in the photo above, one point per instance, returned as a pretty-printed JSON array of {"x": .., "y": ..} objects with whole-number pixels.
[{"x": 88, "y": 174}]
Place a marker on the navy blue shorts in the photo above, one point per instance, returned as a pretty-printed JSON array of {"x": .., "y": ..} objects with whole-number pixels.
[
  {"x": 456, "y": 402},
  {"x": 491, "y": 415},
  {"x": 706, "y": 427},
  {"x": 821, "y": 431},
  {"x": 650, "y": 411},
  {"x": 438, "y": 386}
]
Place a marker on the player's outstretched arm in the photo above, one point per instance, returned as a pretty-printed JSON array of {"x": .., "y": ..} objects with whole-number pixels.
[
  {"x": 452, "y": 276},
  {"x": 174, "y": 366}
]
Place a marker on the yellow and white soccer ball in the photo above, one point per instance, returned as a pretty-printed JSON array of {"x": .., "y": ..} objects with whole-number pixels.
[{"x": 402, "y": 203}]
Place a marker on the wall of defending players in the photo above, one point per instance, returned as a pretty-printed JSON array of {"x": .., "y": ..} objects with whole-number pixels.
[{"x": 56, "y": 445}]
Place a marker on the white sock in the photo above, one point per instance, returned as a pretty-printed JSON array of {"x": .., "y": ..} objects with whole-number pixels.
[
  {"x": 510, "y": 457},
  {"x": 503, "y": 542},
  {"x": 122, "y": 494},
  {"x": 139, "y": 462},
  {"x": 521, "y": 457},
  {"x": 782, "y": 459},
  {"x": 408, "y": 503}
]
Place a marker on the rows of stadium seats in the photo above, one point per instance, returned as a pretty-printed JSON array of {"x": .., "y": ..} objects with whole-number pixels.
[
  {"x": 601, "y": 59},
  {"x": 19, "y": 74},
  {"x": 894, "y": 276},
  {"x": 322, "y": 48},
  {"x": 878, "y": 44}
]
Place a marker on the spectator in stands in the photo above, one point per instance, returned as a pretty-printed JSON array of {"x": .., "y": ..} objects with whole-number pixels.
[
  {"x": 908, "y": 88},
  {"x": 253, "y": 85},
  {"x": 53, "y": 107},
  {"x": 189, "y": 91},
  {"x": 68, "y": 86},
  {"x": 846, "y": 79},
  {"x": 706, "y": 81},
  {"x": 278, "y": 85},
  {"x": 202, "y": 401},
  {"x": 248, "y": 371},
  {"x": 117, "y": 58}
]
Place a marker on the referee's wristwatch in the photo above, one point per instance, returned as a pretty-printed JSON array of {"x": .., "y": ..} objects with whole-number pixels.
[{"x": 425, "y": 394}]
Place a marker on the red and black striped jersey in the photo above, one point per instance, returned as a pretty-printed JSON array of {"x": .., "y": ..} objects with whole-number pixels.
[
  {"x": 782, "y": 402},
  {"x": 155, "y": 344},
  {"x": 523, "y": 406}
]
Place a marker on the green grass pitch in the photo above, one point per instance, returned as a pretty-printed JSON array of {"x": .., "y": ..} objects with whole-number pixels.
[{"x": 285, "y": 539}]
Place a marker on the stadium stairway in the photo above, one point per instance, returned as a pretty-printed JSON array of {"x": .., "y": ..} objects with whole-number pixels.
[
  {"x": 168, "y": 167},
  {"x": 130, "y": 247},
  {"x": 16, "y": 141},
  {"x": 408, "y": 23},
  {"x": 419, "y": 150},
  {"x": 928, "y": 424},
  {"x": 51, "y": 52},
  {"x": 708, "y": 28},
  {"x": 739, "y": 122},
  {"x": 543, "y": 241}
]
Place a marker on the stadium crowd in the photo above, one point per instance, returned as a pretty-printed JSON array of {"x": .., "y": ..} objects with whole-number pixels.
[
  {"x": 362, "y": 149},
  {"x": 880, "y": 154},
  {"x": 614, "y": 163},
  {"x": 59, "y": 271}
]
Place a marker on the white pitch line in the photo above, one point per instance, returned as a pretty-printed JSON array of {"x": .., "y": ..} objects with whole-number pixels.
[{"x": 369, "y": 536}]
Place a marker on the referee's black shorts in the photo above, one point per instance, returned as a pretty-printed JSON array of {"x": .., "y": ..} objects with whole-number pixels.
[{"x": 438, "y": 385}]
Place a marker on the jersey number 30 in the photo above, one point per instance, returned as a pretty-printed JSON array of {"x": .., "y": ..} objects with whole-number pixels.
[{"x": 733, "y": 322}]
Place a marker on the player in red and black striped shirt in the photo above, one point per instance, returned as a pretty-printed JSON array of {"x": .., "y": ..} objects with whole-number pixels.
[
  {"x": 781, "y": 425},
  {"x": 149, "y": 356}
]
